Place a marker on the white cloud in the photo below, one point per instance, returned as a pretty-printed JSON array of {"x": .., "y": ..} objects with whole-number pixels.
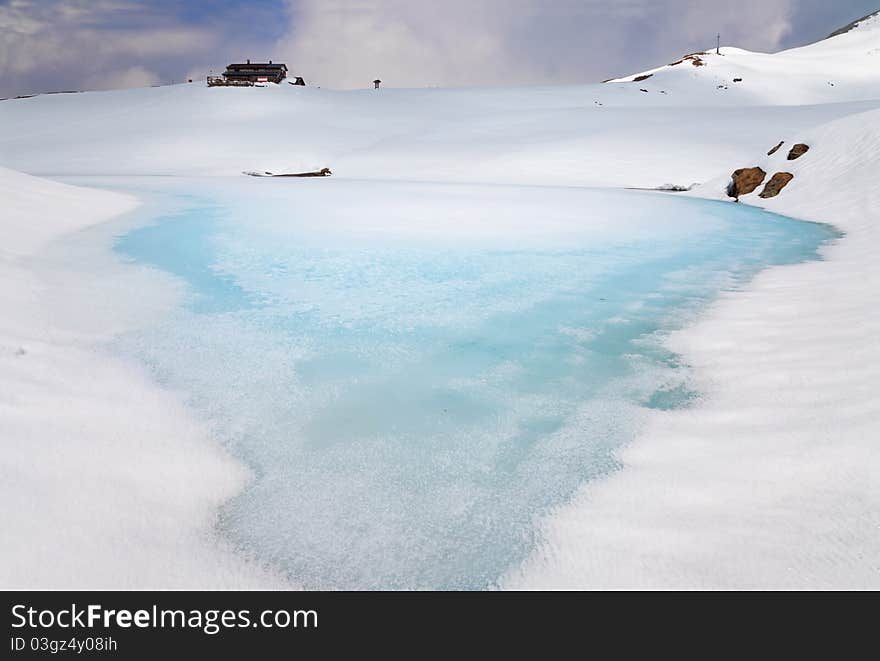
[
  {"x": 95, "y": 43},
  {"x": 70, "y": 44},
  {"x": 752, "y": 24},
  {"x": 412, "y": 43},
  {"x": 136, "y": 76}
]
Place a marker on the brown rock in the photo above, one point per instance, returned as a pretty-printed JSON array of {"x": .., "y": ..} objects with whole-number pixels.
[
  {"x": 638, "y": 79},
  {"x": 798, "y": 150},
  {"x": 693, "y": 58},
  {"x": 776, "y": 148},
  {"x": 745, "y": 180},
  {"x": 777, "y": 182}
]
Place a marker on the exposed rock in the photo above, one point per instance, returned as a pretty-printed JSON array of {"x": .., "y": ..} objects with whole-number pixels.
[
  {"x": 639, "y": 79},
  {"x": 745, "y": 181},
  {"x": 693, "y": 58},
  {"x": 675, "y": 188},
  {"x": 776, "y": 148},
  {"x": 737, "y": 80},
  {"x": 323, "y": 172},
  {"x": 798, "y": 150},
  {"x": 777, "y": 182}
]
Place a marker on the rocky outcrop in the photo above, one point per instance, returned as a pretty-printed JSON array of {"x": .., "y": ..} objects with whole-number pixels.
[
  {"x": 776, "y": 148},
  {"x": 798, "y": 150},
  {"x": 638, "y": 79},
  {"x": 777, "y": 182},
  {"x": 693, "y": 58},
  {"x": 744, "y": 181}
]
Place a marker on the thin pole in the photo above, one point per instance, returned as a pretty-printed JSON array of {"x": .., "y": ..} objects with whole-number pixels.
[{"x": 718, "y": 45}]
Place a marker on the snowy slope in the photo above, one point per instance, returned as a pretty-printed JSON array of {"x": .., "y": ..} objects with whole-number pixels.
[
  {"x": 542, "y": 136},
  {"x": 840, "y": 68},
  {"x": 64, "y": 209},
  {"x": 612, "y": 134}
]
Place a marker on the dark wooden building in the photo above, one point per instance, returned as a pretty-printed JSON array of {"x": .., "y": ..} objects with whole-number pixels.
[{"x": 257, "y": 72}]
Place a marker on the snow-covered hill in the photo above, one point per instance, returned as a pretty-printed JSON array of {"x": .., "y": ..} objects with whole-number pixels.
[
  {"x": 841, "y": 68},
  {"x": 682, "y": 130}
]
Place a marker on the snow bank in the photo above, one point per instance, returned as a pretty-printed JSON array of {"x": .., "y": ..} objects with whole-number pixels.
[
  {"x": 105, "y": 480},
  {"x": 587, "y": 135},
  {"x": 62, "y": 209},
  {"x": 772, "y": 480}
]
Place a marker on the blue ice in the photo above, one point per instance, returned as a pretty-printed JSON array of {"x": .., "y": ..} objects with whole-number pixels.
[{"x": 411, "y": 407}]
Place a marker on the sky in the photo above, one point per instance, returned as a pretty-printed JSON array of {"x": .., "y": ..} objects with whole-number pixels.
[{"x": 55, "y": 45}]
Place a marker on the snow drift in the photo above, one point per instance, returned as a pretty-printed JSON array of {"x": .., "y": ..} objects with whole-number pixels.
[{"x": 107, "y": 482}]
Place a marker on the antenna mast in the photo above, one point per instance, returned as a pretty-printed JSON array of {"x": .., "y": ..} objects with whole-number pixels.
[{"x": 718, "y": 44}]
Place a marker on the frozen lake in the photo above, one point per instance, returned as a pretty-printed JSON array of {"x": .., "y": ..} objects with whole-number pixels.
[{"x": 416, "y": 373}]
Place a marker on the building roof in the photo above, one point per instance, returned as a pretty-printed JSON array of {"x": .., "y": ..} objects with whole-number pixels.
[{"x": 258, "y": 65}]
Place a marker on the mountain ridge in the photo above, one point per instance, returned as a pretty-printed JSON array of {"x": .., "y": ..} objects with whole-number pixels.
[{"x": 849, "y": 27}]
